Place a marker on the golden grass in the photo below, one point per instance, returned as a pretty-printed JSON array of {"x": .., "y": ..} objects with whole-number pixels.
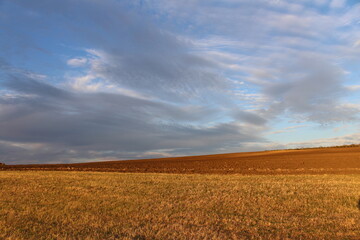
[{"x": 86, "y": 205}]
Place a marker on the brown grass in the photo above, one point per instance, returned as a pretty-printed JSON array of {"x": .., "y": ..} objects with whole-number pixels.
[{"x": 86, "y": 205}]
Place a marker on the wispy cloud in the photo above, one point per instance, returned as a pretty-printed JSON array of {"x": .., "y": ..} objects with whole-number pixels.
[{"x": 89, "y": 80}]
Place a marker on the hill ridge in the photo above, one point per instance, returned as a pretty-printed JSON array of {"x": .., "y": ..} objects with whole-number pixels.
[{"x": 323, "y": 160}]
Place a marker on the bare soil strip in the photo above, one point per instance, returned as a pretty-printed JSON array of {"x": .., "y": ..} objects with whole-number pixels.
[{"x": 336, "y": 160}]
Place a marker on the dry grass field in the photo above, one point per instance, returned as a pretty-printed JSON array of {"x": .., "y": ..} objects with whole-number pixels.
[{"x": 93, "y": 205}]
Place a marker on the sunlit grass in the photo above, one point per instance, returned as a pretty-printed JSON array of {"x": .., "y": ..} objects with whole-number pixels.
[{"x": 84, "y": 205}]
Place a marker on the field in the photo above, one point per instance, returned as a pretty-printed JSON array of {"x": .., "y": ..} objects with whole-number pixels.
[
  {"x": 338, "y": 160},
  {"x": 95, "y": 205}
]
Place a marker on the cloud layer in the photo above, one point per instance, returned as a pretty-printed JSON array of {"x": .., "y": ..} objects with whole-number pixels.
[{"x": 93, "y": 80}]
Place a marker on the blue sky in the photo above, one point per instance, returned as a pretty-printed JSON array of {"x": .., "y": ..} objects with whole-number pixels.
[{"x": 91, "y": 80}]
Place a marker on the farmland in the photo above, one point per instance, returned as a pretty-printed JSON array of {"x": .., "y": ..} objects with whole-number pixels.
[
  {"x": 334, "y": 160},
  {"x": 284, "y": 194},
  {"x": 95, "y": 205}
]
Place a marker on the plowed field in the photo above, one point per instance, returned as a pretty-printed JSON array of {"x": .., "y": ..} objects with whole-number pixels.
[{"x": 341, "y": 160}]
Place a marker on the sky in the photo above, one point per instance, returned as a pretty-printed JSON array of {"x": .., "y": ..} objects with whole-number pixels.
[{"x": 95, "y": 80}]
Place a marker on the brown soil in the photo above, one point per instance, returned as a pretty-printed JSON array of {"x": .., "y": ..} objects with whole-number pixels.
[{"x": 336, "y": 160}]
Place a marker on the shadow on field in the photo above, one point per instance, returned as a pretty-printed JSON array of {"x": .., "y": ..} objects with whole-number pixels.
[
  {"x": 139, "y": 237},
  {"x": 358, "y": 205}
]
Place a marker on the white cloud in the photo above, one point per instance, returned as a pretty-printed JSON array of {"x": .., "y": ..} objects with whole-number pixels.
[
  {"x": 335, "y": 141},
  {"x": 288, "y": 129},
  {"x": 91, "y": 84},
  {"x": 337, "y": 3},
  {"x": 353, "y": 87},
  {"x": 77, "y": 62}
]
